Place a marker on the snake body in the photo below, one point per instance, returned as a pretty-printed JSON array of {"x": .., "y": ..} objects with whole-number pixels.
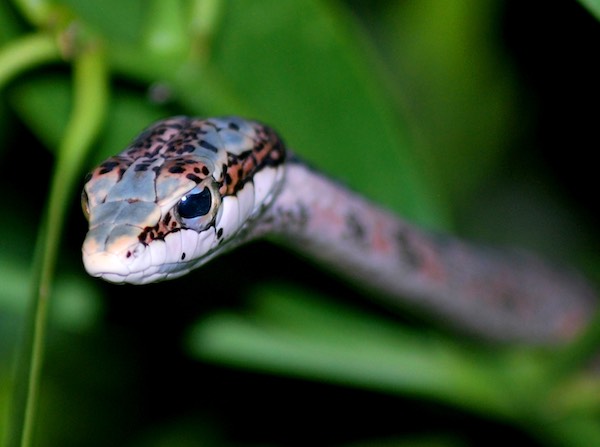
[{"x": 188, "y": 189}]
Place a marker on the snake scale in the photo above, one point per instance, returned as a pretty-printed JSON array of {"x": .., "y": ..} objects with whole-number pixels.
[{"x": 189, "y": 189}]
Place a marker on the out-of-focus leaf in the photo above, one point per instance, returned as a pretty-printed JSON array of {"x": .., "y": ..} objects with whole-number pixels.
[
  {"x": 76, "y": 303},
  {"x": 44, "y": 104},
  {"x": 424, "y": 441},
  {"x": 8, "y": 23},
  {"x": 582, "y": 430},
  {"x": 9, "y": 28},
  {"x": 129, "y": 114},
  {"x": 302, "y": 68},
  {"x": 593, "y": 6},
  {"x": 295, "y": 334},
  {"x": 118, "y": 21},
  {"x": 459, "y": 88}
]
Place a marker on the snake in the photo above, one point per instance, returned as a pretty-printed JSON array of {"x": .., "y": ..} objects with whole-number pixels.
[{"x": 188, "y": 189}]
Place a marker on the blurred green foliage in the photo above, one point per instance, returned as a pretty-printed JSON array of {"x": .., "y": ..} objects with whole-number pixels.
[{"x": 416, "y": 104}]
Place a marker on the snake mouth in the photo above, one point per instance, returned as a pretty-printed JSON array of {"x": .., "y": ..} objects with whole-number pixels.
[{"x": 124, "y": 259}]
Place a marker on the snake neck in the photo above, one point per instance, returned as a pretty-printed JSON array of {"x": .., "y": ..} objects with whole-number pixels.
[{"x": 498, "y": 294}]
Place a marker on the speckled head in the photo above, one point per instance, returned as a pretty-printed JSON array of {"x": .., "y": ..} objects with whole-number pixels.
[{"x": 180, "y": 193}]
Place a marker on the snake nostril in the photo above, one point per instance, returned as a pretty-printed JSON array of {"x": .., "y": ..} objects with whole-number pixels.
[{"x": 134, "y": 252}]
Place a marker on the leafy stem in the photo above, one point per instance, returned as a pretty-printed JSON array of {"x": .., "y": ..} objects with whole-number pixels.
[{"x": 90, "y": 99}]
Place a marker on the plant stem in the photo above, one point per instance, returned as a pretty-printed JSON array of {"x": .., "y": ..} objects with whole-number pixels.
[
  {"x": 25, "y": 53},
  {"x": 36, "y": 12},
  {"x": 90, "y": 97}
]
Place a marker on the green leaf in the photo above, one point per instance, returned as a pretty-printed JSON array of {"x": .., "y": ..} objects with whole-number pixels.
[
  {"x": 118, "y": 21},
  {"x": 43, "y": 103},
  {"x": 294, "y": 333},
  {"x": 303, "y": 68},
  {"x": 462, "y": 92},
  {"x": 593, "y": 6}
]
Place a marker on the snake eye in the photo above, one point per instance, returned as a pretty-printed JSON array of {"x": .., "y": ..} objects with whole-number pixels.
[
  {"x": 195, "y": 205},
  {"x": 197, "y": 209},
  {"x": 85, "y": 206}
]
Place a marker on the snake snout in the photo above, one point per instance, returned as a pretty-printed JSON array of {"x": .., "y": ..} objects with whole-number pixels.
[
  {"x": 105, "y": 264},
  {"x": 114, "y": 254}
]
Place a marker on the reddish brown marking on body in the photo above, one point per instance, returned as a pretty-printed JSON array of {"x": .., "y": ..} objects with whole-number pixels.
[
  {"x": 268, "y": 150},
  {"x": 430, "y": 265},
  {"x": 380, "y": 238}
]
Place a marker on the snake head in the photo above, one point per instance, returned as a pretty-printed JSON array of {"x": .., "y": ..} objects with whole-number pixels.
[{"x": 180, "y": 194}]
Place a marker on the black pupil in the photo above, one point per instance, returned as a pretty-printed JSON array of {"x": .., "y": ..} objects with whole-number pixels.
[{"x": 195, "y": 205}]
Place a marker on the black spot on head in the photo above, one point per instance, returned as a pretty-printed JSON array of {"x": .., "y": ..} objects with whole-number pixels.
[
  {"x": 110, "y": 165},
  {"x": 193, "y": 178},
  {"x": 176, "y": 169},
  {"x": 182, "y": 256},
  {"x": 233, "y": 126},
  {"x": 220, "y": 232},
  {"x": 142, "y": 235},
  {"x": 206, "y": 145}
]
